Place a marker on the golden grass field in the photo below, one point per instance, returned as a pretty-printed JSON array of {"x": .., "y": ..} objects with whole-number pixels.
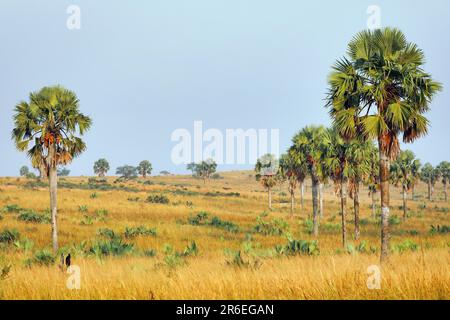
[{"x": 422, "y": 273}]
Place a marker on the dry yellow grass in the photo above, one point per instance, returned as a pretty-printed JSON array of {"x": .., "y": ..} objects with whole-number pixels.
[{"x": 334, "y": 274}]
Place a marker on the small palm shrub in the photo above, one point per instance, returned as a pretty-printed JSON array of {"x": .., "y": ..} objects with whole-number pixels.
[
  {"x": 300, "y": 247},
  {"x": 12, "y": 208},
  {"x": 158, "y": 198},
  {"x": 111, "y": 247},
  {"x": 107, "y": 233},
  {"x": 198, "y": 219},
  {"x": 33, "y": 217},
  {"x": 83, "y": 208},
  {"x": 407, "y": 245},
  {"x": 139, "y": 231},
  {"x": 275, "y": 227},
  {"x": 242, "y": 259},
  {"x": 8, "y": 236},
  {"x": 41, "y": 258},
  {"x": 94, "y": 195},
  {"x": 222, "y": 224},
  {"x": 438, "y": 229}
]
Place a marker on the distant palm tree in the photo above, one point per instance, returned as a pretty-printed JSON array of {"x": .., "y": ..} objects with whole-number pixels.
[
  {"x": 429, "y": 175},
  {"x": 266, "y": 169},
  {"x": 444, "y": 173},
  {"x": 46, "y": 127},
  {"x": 144, "y": 168},
  {"x": 360, "y": 157},
  {"x": 301, "y": 170},
  {"x": 101, "y": 167},
  {"x": 402, "y": 174},
  {"x": 288, "y": 171},
  {"x": 379, "y": 92},
  {"x": 312, "y": 144}
]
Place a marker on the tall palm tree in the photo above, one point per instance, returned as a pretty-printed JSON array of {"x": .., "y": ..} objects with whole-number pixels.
[
  {"x": 311, "y": 143},
  {"x": 47, "y": 127},
  {"x": 301, "y": 170},
  {"x": 101, "y": 167},
  {"x": 444, "y": 172},
  {"x": 266, "y": 169},
  {"x": 429, "y": 176},
  {"x": 288, "y": 171},
  {"x": 360, "y": 157},
  {"x": 402, "y": 174},
  {"x": 144, "y": 168},
  {"x": 380, "y": 91},
  {"x": 373, "y": 179}
]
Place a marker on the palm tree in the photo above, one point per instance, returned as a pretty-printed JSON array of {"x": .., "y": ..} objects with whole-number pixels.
[
  {"x": 288, "y": 171},
  {"x": 402, "y": 174},
  {"x": 144, "y": 168},
  {"x": 47, "y": 127},
  {"x": 429, "y": 176},
  {"x": 301, "y": 171},
  {"x": 360, "y": 157},
  {"x": 266, "y": 169},
  {"x": 373, "y": 179},
  {"x": 380, "y": 91},
  {"x": 311, "y": 143},
  {"x": 444, "y": 172},
  {"x": 101, "y": 167}
]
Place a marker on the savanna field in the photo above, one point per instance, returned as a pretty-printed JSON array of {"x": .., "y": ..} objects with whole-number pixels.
[{"x": 175, "y": 237}]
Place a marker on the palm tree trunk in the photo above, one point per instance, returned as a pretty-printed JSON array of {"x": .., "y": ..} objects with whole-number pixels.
[
  {"x": 53, "y": 183},
  {"x": 413, "y": 187},
  {"x": 405, "y": 209},
  {"x": 343, "y": 213},
  {"x": 321, "y": 200},
  {"x": 374, "y": 211},
  {"x": 269, "y": 196},
  {"x": 429, "y": 190},
  {"x": 384, "y": 191},
  {"x": 302, "y": 193},
  {"x": 292, "y": 202},
  {"x": 315, "y": 202},
  {"x": 356, "y": 209},
  {"x": 445, "y": 190}
]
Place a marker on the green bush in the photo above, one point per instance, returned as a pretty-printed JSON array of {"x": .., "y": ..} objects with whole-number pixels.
[
  {"x": 158, "y": 198},
  {"x": 394, "y": 220},
  {"x": 222, "y": 224},
  {"x": 33, "y": 217},
  {"x": 105, "y": 232},
  {"x": 112, "y": 247},
  {"x": 438, "y": 229},
  {"x": 12, "y": 208},
  {"x": 302, "y": 247},
  {"x": 198, "y": 218},
  {"x": 42, "y": 258},
  {"x": 9, "y": 236},
  {"x": 405, "y": 246},
  {"x": 139, "y": 231},
  {"x": 275, "y": 227}
]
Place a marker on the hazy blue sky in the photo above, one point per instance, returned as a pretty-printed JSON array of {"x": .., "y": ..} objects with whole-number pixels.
[{"x": 145, "y": 68}]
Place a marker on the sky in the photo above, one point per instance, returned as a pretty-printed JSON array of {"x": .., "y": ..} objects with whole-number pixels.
[{"x": 143, "y": 69}]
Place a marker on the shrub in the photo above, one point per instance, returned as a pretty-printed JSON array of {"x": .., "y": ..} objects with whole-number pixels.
[
  {"x": 9, "y": 236},
  {"x": 302, "y": 247},
  {"x": 83, "y": 208},
  {"x": 361, "y": 248},
  {"x": 275, "y": 227},
  {"x": 33, "y": 217},
  {"x": 309, "y": 226},
  {"x": 11, "y": 208},
  {"x": 42, "y": 258},
  {"x": 222, "y": 224},
  {"x": 93, "y": 195},
  {"x": 198, "y": 219},
  {"x": 394, "y": 220},
  {"x": 112, "y": 247},
  {"x": 139, "y": 231},
  {"x": 162, "y": 199},
  {"x": 439, "y": 229},
  {"x": 4, "y": 272},
  {"x": 105, "y": 232},
  {"x": 239, "y": 259},
  {"x": 405, "y": 246}
]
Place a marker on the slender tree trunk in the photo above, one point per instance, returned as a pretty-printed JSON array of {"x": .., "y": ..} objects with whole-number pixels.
[
  {"x": 384, "y": 191},
  {"x": 269, "y": 196},
  {"x": 356, "y": 209},
  {"x": 315, "y": 202},
  {"x": 445, "y": 190},
  {"x": 429, "y": 190},
  {"x": 413, "y": 187},
  {"x": 405, "y": 208},
  {"x": 374, "y": 210},
  {"x": 432, "y": 191},
  {"x": 343, "y": 213},
  {"x": 321, "y": 200},
  {"x": 53, "y": 182},
  {"x": 302, "y": 193},
  {"x": 292, "y": 202}
]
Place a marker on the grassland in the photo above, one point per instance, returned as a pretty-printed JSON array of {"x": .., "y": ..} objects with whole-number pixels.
[{"x": 159, "y": 267}]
